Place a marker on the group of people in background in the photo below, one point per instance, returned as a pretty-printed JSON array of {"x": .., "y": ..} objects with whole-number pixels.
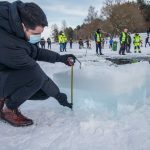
[
  {"x": 125, "y": 42},
  {"x": 62, "y": 39},
  {"x": 43, "y": 42},
  {"x": 81, "y": 44}
]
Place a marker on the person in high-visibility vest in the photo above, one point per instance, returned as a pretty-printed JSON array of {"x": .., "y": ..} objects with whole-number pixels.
[
  {"x": 137, "y": 42},
  {"x": 98, "y": 40},
  {"x": 123, "y": 41},
  {"x": 64, "y": 42},
  {"x": 61, "y": 41}
]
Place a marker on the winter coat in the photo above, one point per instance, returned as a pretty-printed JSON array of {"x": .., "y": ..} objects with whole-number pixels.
[
  {"x": 98, "y": 37},
  {"x": 49, "y": 41},
  {"x": 15, "y": 50},
  {"x": 147, "y": 40},
  {"x": 123, "y": 38},
  {"x": 137, "y": 40},
  {"x": 111, "y": 42},
  {"x": 129, "y": 39},
  {"x": 81, "y": 42},
  {"x": 62, "y": 38},
  {"x": 42, "y": 42}
]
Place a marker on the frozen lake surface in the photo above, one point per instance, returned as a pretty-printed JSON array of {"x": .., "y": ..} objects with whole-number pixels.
[{"x": 111, "y": 108}]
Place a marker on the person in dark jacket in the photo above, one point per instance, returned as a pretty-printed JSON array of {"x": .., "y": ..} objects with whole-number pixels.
[
  {"x": 42, "y": 43},
  {"x": 88, "y": 45},
  {"x": 70, "y": 41},
  {"x": 81, "y": 44},
  {"x": 49, "y": 43},
  {"x": 21, "y": 77},
  {"x": 147, "y": 41},
  {"x": 129, "y": 41}
]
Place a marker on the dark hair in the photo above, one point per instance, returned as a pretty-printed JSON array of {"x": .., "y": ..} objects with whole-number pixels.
[
  {"x": 32, "y": 16},
  {"x": 60, "y": 32},
  {"x": 99, "y": 29}
]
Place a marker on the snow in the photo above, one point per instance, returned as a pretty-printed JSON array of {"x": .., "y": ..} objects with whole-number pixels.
[{"x": 111, "y": 107}]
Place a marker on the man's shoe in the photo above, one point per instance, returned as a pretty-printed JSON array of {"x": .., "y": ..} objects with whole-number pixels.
[{"x": 15, "y": 118}]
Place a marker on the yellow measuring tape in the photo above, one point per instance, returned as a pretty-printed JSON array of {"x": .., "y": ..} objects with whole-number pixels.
[{"x": 72, "y": 85}]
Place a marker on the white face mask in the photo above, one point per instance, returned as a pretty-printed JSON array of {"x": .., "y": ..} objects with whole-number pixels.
[{"x": 34, "y": 38}]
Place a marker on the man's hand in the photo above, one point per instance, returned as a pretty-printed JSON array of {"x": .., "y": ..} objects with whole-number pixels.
[
  {"x": 68, "y": 59},
  {"x": 62, "y": 99}
]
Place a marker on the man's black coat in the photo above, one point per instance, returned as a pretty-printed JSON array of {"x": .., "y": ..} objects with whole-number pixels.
[{"x": 16, "y": 52}]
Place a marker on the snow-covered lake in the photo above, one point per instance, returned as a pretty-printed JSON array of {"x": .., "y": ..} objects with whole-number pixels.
[{"x": 111, "y": 107}]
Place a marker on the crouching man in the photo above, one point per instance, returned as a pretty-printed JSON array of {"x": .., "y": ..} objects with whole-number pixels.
[{"x": 21, "y": 78}]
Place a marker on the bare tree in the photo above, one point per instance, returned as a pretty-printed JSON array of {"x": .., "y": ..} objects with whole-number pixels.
[
  {"x": 124, "y": 15},
  {"x": 64, "y": 25},
  {"x": 55, "y": 32},
  {"x": 92, "y": 15}
]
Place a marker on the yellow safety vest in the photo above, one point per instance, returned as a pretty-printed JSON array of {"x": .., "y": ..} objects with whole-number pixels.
[
  {"x": 64, "y": 38},
  {"x": 137, "y": 39},
  {"x": 98, "y": 37},
  {"x": 123, "y": 37},
  {"x": 60, "y": 39}
]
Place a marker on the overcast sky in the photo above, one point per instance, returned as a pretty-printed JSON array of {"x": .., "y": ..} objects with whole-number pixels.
[{"x": 73, "y": 11}]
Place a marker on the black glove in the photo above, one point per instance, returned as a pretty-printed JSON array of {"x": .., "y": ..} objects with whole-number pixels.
[
  {"x": 62, "y": 99},
  {"x": 68, "y": 59}
]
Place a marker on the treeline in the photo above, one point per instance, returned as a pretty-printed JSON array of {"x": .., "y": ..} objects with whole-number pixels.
[{"x": 115, "y": 15}]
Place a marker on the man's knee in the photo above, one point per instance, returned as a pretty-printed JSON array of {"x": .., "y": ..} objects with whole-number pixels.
[
  {"x": 39, "y": 95},
  {"x": 50, "y": 88}
]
